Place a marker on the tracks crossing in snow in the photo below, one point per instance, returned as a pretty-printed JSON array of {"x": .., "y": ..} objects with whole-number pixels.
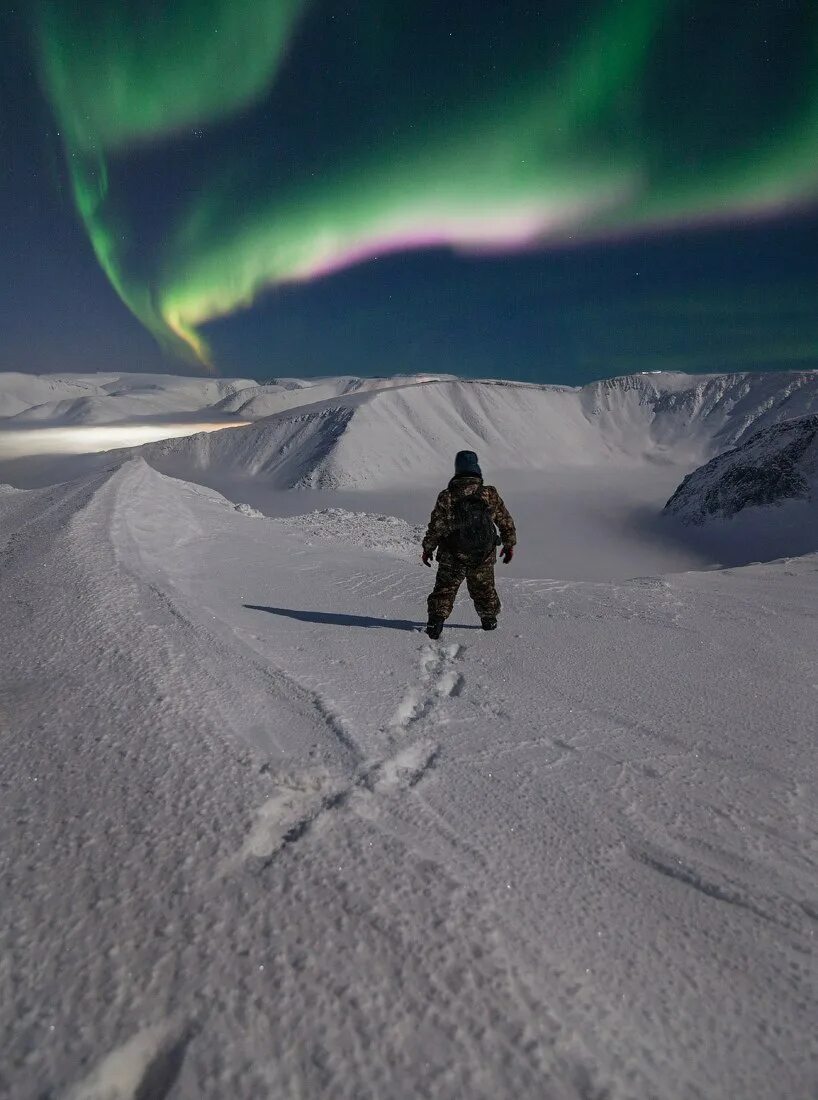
[{"x": 298, "y": 801}]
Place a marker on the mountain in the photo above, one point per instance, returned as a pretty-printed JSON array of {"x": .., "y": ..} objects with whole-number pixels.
[
  {"x": 406, "y": 431},
  {"x": 269, "y": 398},
  {"x": 349, "y": 432},
  {"x": 55, "y": 399},
  {"x": 776, "y": 464}
]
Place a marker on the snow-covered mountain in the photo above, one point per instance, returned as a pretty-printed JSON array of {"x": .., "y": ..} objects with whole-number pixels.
[
  {"x": 776, "y": 464},
  {"x": 369, "y": 436},
  {"x": 107, "y": 397},
  {"x": 349, "y": 432},
  {"x": 269, "y": 398}
]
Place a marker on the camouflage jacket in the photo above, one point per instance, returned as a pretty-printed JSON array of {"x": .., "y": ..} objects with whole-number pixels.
[{"x": 440, "y": 525}]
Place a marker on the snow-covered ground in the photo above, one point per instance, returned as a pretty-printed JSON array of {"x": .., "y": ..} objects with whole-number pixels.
[{"x": 260, "y": 837}]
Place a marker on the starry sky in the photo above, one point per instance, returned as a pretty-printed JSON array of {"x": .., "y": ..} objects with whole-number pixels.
[{"x": 554, "y": 192}]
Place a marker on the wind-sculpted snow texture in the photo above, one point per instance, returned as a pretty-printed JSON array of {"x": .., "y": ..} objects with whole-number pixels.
[
  {"x": 261, "y": 838},
  {"x": 357, "y": 530},
  {"x": 776, "y": 464}
]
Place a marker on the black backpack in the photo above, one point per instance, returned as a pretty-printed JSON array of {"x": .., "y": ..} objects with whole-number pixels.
[{"x": 473, "y": 534}]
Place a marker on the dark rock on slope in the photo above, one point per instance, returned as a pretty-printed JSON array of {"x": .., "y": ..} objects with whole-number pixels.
[{"x": 776, "y": 464}]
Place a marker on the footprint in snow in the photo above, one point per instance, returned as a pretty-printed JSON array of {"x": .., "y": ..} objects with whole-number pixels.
[
  {"x": 287, "y": 814},
  {"x": 438, "y": 680},
  {"x": 406, "y": 768},
  {"x": 147, "y": 1065}
]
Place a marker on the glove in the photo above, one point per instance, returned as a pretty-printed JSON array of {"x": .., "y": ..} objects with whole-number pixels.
[
  {"x": 426, "y": 557},
  {"x": 507, "y": 554}
]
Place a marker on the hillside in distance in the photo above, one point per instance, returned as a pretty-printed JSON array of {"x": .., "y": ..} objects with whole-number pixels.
[
  {"x": 406, "y": 433},
  {"x": 55, "y": 399}
]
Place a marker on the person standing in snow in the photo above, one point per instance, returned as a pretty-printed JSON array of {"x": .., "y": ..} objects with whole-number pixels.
[{"x": 463, "y": 530}]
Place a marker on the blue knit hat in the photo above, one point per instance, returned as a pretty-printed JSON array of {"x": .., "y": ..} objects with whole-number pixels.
[{"x": 465, "y": 462}]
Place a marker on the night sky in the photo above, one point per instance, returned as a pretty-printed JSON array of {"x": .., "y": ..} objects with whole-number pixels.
[{"x": 554, "y": 192}]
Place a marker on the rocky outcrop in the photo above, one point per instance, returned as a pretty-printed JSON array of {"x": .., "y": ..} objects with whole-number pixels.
[{"x": 776, "y": 464}]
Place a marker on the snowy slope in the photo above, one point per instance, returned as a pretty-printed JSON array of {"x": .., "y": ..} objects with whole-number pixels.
[
  {"x": 83, "y": 414},
  {"x": 79, "y": 414},
  {"x": 260, "y": 838},
  {"x": 406, "y": 434},
  {"x": 104, "y": 398},
  {"x": 365, "y": 433},
  {"x": 774, "y": 465},
  {"x": 699, "y": 414},
  {"x": 287, "y": 393}
]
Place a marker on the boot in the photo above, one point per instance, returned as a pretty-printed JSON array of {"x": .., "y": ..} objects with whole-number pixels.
[
  {"x": 434, "y": 628},
  {"x": 488, "y": 622}
]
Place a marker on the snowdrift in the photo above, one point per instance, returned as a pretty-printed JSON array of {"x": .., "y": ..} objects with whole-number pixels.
[{"x": 406, "y": 432}]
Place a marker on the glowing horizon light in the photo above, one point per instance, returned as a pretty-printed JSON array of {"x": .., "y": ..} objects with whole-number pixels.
[{"x": 95, "y": 438}]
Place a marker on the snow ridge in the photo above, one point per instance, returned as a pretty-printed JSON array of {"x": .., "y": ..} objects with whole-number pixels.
[{"x": 369, "y": 437}]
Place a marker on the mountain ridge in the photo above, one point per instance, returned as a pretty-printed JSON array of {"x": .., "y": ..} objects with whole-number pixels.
[{"x": 407, "y": 432}]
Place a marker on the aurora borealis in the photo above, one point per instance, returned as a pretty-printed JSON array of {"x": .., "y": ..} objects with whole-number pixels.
[{"x": 219, "y": 152}]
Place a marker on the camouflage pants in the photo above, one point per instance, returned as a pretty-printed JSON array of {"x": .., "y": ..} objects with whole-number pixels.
[{"x": 451, "y": 572}]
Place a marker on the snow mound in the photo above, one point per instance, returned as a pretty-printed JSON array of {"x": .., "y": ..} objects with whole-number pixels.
[
  {"x": 405, "y": 434},
  {"x": 19, "y": 391},
  {"x": 776, "y": 464},
  {"x": 366, "y": 530}
]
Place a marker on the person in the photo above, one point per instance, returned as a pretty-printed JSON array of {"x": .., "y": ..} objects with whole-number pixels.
[{"x": 463, "y": 531}]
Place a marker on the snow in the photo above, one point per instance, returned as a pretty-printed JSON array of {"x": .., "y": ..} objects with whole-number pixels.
[
  {"x": 776, "y": 464},
  {"x": 261, "y": 837},
  {"x": 80, "y": 414},
  {"x": 364, "y": 530},
  {"x": 90, "y": 398},
  {"x": 756, "y": 501},
  {"x": 404, "y": 434}
]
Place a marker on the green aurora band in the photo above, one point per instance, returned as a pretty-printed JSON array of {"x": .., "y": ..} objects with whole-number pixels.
[
  {"x": 119, "y": 75},
  {"x": 574, "y": 132}
]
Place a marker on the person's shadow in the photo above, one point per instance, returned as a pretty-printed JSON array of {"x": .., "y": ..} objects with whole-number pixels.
[{"x": 333, "y": 618}]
